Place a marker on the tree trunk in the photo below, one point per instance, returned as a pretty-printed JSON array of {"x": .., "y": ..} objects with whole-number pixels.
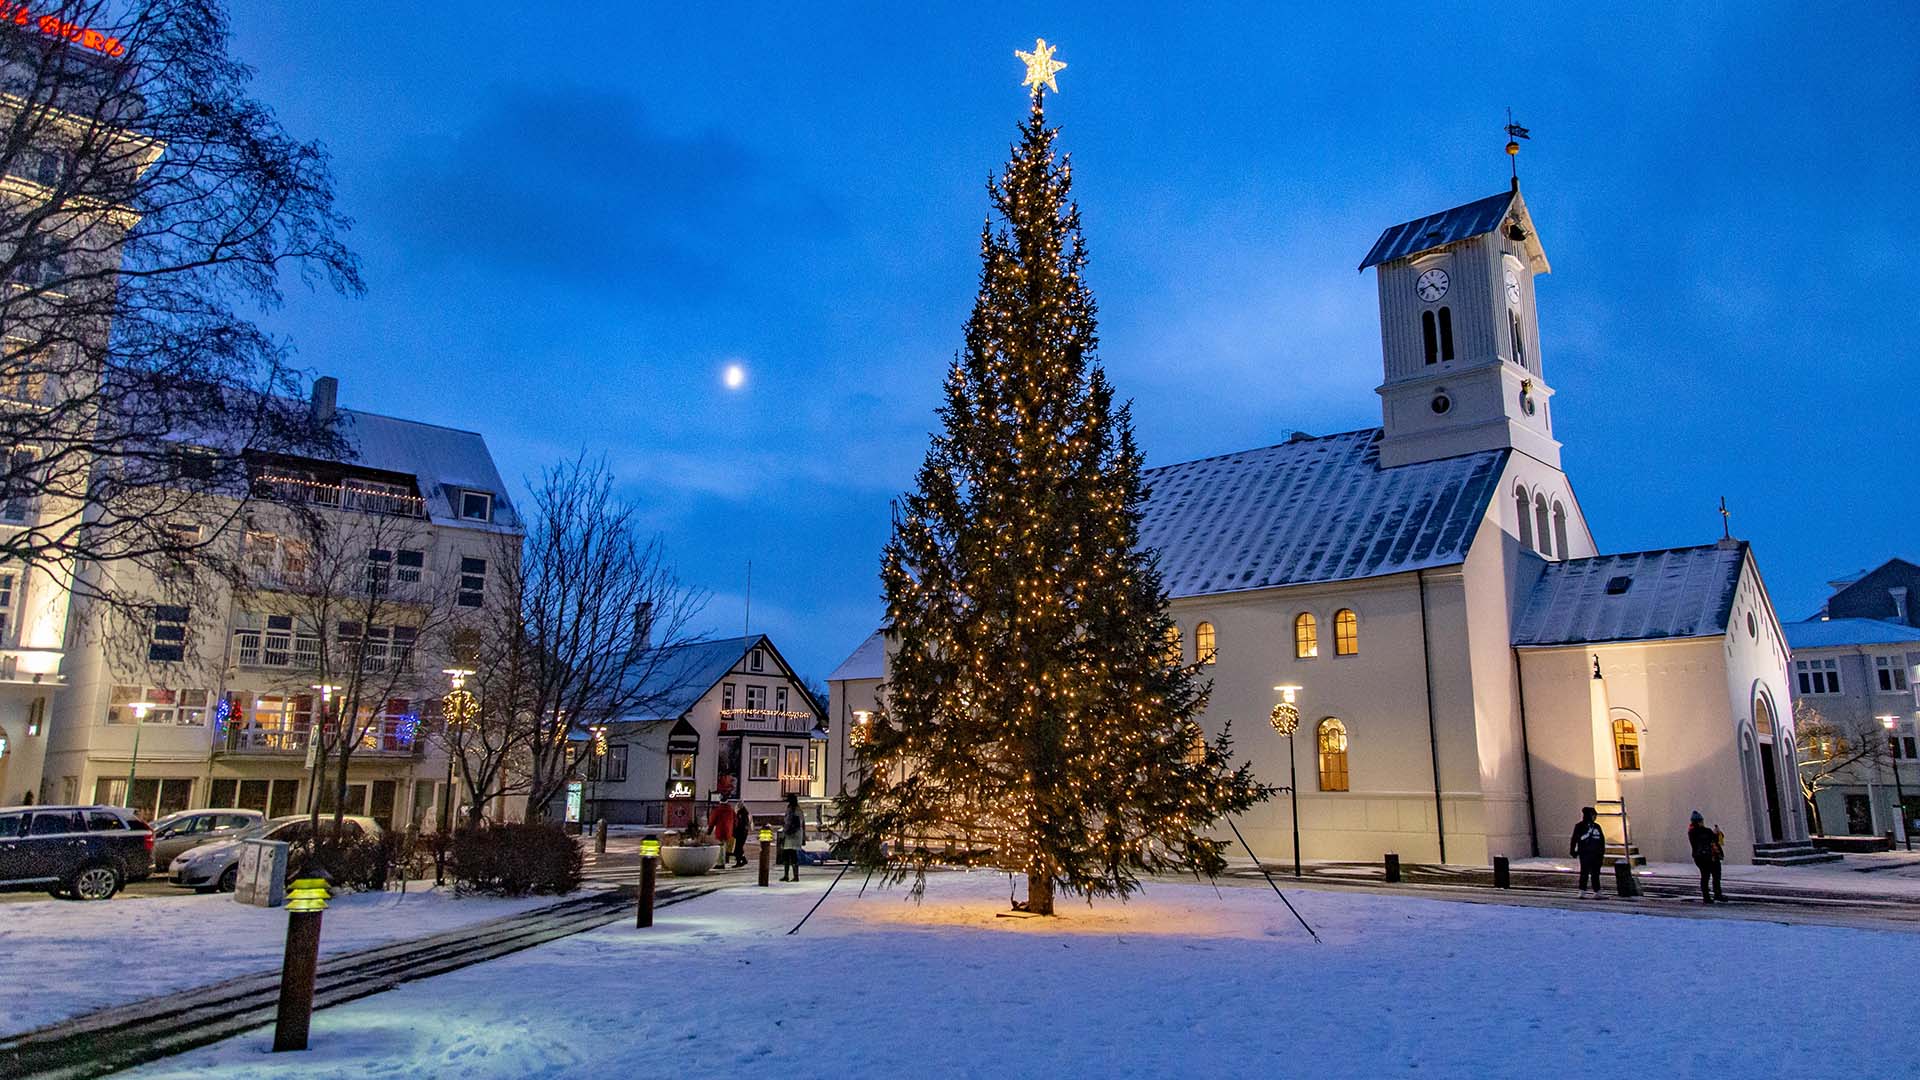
[{"x": 1040, "y": 894}]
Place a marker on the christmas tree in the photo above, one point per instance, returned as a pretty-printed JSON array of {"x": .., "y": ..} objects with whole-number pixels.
[{"x": 1034, "y": 718}]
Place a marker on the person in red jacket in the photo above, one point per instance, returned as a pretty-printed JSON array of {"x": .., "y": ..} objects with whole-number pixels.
[{"x": 720, "y": 821}]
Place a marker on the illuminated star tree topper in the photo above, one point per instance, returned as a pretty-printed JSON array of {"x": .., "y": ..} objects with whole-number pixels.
[{"x": 1041, "y": 66}]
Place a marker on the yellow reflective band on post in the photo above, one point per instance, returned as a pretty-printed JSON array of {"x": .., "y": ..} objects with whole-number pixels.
[
  {"x": 649, "y": 848},
  {"x": 766, "y": 834},
  {"x": 308, "y": 894}
]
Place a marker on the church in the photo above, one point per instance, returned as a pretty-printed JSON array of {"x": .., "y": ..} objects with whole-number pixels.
[{"x": 1468, "y": 669}]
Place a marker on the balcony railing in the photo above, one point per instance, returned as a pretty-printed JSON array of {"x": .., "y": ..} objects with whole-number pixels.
[
  {"x": 285, "y": 650},
  {"x": 345, "y": 495},
  {"x": 390, "y": 735},
  {"x": 771, "y": 720}
]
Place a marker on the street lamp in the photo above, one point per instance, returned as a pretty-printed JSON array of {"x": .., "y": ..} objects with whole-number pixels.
[
  {"x": 139, "y": 718},
  {"x": 599, "y": 733},
  {"x": 456, "y": 708},
  {"x": 1285, "y": 719},
  {"x": 1892, "y": 724}
]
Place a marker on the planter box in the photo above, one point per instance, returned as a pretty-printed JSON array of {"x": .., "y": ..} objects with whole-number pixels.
[{"x": 690, "y": 861}]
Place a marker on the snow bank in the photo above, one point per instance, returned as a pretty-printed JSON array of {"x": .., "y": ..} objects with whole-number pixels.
[
  {"x": 61, "y": 958},
  {"x": 1183, "y": 981}
]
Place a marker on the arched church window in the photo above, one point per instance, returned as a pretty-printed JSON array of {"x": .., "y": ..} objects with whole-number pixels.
[
  {"x": 1306, "y": 636},
  {"x": 1523, "y": 511},
  {"x": 1519, "y": 345},
  {"x": 1560, "y": 528},
  {"x": 1429, "y": 336},
  {"x": 1174, "y": 654},
  {"x": 1543, "y": 539},
  {"x": 1203, "y": 647},
  {"x": 1346, "y": 632},
  {"x": 1333, "y": 755},
  {"x": 1446, "y": 333},
  {"x": 1626, "y": 745}
]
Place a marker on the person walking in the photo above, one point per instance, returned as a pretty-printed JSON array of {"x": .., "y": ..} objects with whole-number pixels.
[
  {"x": 1709, "y": 851},
  {"x": 793, "y": 837},
  {"x": 1589, "y": 844},
  {"x": 742, "y": 828},
  {"x": 720, "y": 819}
]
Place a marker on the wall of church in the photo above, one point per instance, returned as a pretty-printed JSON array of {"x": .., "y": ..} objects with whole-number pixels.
[
  {"x": 1757, "y": 662},
  {"x": 1498, "y": 573}
]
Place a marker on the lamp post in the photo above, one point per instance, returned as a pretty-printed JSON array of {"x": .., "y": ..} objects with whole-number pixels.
[
  {"x": 594, "y": 772},
  {"x": 1892, "y": 724},
  {"x": 1285, "y": 719},
  {"x": 314, "y": 740},
  {"x": 456, "y": 708},
  {"x": 133, "y": 765}
]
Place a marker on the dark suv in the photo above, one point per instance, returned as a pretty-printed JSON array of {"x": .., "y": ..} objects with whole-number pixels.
[{"x": 86, "y": 852}]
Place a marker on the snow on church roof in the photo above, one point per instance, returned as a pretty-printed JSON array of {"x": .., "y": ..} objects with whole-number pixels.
[
  {"x": 1438, "y": 230},
  {"x": 1310, "y": 510},
  {"x": 1639, "y": 596}
]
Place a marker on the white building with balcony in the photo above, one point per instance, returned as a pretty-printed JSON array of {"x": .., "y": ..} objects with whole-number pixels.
[{"x": 216, "y": 698}]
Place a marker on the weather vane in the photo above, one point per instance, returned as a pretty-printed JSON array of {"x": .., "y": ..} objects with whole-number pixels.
[
  {"x": 1041, "y": 66},
  {"x": 1514, "y": 134}
]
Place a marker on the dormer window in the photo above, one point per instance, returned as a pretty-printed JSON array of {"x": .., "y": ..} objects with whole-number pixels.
[
  {"x": 476, "y": 505},
  {"x": 756, "y": 661}
]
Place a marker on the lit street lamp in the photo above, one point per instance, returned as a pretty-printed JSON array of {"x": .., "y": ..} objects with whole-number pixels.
[
  {"x": 456, "y": 708},
  {"x": 1892, "y": 724},
  {"x": 139, "y": 718},
  {"x": 1285, "y": 719},
  {"x": 314, "y": 739}
]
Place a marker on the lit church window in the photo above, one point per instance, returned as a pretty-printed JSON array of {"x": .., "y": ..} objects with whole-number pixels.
[
  {"x": 1333, "y": 755},
  {"x": 1174, "y": 654},
  {"x": 1626, "y": 746},
  {"x": 1203, "y": 646},
  {"x": 1306, "y": 636},
  {"x": 1346, "y": 632}
]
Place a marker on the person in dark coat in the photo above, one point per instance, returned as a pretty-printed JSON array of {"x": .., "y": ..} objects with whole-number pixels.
[
  {"x": 1709, "y": 851},
  {"x": 720, "y": 820},
  {"x": 1589, "y": 844},
  {"x": 742, "y": 828},
  {"x": 793, "y": 837}
]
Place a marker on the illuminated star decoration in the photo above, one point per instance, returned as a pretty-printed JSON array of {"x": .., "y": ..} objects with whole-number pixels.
[{"x": 1041, "y": 66}]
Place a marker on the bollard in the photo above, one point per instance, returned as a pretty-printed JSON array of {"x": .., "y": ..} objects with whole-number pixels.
[
  {"x": 1393, "y": 869},
  {"x": 306, "y": 900},
  {"x": 1502, "y": 873},
  {"x": 766, "y": 854},
  {"x": 649, "y": 858},
  {"x": 600, "y": 837},
  {"x": 1623, "y": 878}
]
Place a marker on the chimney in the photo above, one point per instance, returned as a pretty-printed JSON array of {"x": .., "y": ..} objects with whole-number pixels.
[
  {"x": 1899, "y": 595},
  {"x": 326, "y": 390},
  {"x": 643, "y": 625}
]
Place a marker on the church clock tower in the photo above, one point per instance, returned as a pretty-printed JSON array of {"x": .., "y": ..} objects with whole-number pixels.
[{"x": 1458, "y": 337}]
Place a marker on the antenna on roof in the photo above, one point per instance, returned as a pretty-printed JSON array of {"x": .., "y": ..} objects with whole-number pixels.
[
  {"x": 746, "y": 629},
  {"x": 1726, "y": 520},
  {"x": 1514, "y": 134}
]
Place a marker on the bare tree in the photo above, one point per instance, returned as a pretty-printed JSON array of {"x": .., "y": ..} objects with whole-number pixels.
[
  {"x": 150, "y": 210},
  {"x": 1829, "y": 751},
  {"x": 581, "y": 633}
]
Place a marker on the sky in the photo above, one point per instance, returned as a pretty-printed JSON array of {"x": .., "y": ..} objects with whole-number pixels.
[{"x": 574, "y": 218}]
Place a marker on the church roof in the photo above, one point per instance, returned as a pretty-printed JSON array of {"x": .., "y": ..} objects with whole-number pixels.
[
  {"x": 869, "y": 661},
  {"x": 1639, "y": 596},
  {"x": 1312, "y": 510},
  {"x": 1465, "y": 222},
  {"x": 1827, "y": 633}
]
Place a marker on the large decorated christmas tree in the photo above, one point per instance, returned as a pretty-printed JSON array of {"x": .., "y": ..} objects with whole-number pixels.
[{"x": 1034, "y": 717}]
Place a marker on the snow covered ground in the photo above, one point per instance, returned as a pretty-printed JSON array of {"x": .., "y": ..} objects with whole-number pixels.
[
  {"x": 60, "y": 958},
  {"x": 1186, "y": 980}
]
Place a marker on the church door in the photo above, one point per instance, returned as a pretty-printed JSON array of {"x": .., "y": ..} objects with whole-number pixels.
[{"x": 1773, "y": 790}]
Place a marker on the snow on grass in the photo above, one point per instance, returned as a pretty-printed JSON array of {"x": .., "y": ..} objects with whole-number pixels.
[
  {"x": 61, "y": 958},
  {"x": 1182, "y": 981}
]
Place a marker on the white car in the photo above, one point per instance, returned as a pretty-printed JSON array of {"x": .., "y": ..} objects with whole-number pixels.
[
  {"x": 178, "y": 833},
  {"x": 217, "y": 866}
]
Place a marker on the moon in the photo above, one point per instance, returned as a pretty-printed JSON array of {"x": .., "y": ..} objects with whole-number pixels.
[{"x": 735, "y": 376}]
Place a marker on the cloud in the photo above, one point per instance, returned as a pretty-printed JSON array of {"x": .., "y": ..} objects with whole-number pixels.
[{"x": 582, "y": 186}]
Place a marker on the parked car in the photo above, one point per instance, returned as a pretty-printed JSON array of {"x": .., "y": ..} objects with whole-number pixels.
[
  {"x": 189, "y": 829},
  {"x": 85, "y": 852},
  {"x": 217, "y": 865}
]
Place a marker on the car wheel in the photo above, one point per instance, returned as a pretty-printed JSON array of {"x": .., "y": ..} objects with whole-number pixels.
[
  {"x": 58, "y": 892},
  {"x": 97, "y": 882},
  {"x": 230, "y": 880}
]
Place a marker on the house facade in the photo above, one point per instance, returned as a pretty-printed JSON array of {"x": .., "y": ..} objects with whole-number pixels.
[
  {"x": 347, "y": 583},
  {"x": 1856, "y": 672},
  {"x": 1432, "y": 593},
  {"x": 718, "y": 720}
]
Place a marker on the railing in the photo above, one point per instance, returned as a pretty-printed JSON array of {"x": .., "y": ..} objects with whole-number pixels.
[
  {"x": 285, "y": 650},
  {"x": 396, "y": 735},
  {"x": 346, "y": 495},
  {"x": 792, "y": 723}
]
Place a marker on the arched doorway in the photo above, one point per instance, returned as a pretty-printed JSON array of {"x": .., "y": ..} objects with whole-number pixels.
[{"x": 1769, "y": 768}]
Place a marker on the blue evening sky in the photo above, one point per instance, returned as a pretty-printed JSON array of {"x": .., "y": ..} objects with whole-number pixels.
[{"x": 575, "y": 216}]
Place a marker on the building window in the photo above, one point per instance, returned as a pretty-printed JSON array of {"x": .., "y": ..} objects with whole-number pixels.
[
  {"x": 410, "y": 566},
  {"x": 6, "y": 604},
  {"x": 36, "y": 715},
  {"x": 1892, "y": 673},
  {"x": 1818, "y": 676},
  {"x": 1203, "y": 644},
  {"x": 756, "y": 699},
  {"x": 680, "y": 766},
  {"x": 1446, "y": 333},
  {"x": 1174, "y": 653},
  {"x": 379, "y": 568},
  {"x": 1333, "y": 755},
  {"x": 780, "y": 699},
  {"x": 795, "y": 765},
  {"x": 756, "y": 661},
  {"x": 1542, "y": 536},
  {"x": 162, "y": 705},
  {"x": 20, "y": 485},
  {"x": 1560, "y": 528},
  {"x": 1306, "y": 636},
  {"x": 726, "y": 697},
  {"x": 168, "y": 639},
  {"x": 760, "y": 763},
  {"x": 610, "y": 766},
  {"x": 476, "y": 505},
  {"x": 1430, "y": 337},
  {"x": 1523, "y": 513},
  {"x": 1519, "y": 349},
  {"x": 1346, "y": 633},
  {"x": 1626, "y": 746},
  {"x": 473, "y": 582}
]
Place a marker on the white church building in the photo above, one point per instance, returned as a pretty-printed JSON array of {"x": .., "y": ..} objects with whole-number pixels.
[{"x": 1471, "y": 670}]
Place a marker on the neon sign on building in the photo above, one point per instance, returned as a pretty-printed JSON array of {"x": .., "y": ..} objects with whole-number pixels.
[{"x": 20, "y": 14}]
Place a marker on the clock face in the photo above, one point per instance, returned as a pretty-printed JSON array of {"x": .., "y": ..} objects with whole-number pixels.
[
  {"x": 1513, "y": 289},
  {"x": 1432, "y": 285}
]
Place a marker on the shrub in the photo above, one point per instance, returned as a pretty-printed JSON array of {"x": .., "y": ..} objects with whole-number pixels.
[
  {"x": 358, "y": 863},
  {"x": 514, "y": 860}
]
